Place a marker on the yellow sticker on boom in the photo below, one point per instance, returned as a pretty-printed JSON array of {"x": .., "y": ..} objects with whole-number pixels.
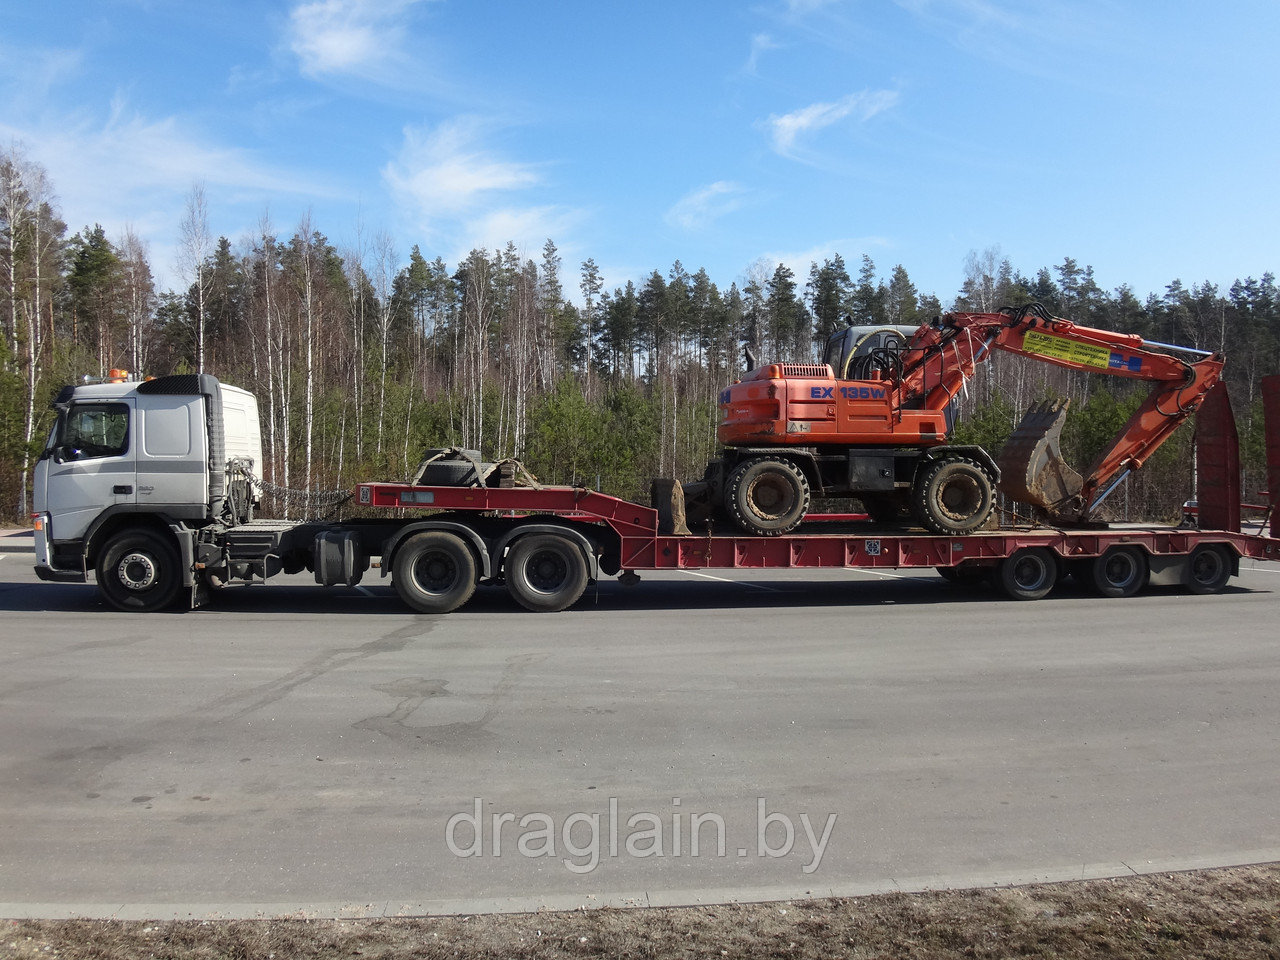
[{"x": 1058, "y": 348}]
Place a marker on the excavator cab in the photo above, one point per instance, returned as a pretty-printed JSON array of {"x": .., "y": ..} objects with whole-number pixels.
[{"x": 867, "y": 352}]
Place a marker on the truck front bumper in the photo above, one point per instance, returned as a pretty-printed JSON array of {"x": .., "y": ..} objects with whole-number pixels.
[
  {"x": 61, "y": 576},
  {"x": 45, "y": 570}
]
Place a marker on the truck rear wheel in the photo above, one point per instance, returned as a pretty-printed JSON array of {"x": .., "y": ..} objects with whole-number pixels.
[
  {"x": 434, "y": 572},
  {"x": 1120, "y": 572},
  {"x": 138, "y": 571},
  {"x": 767, "y": 497},
  {"x": 953, "y": 496},
  {"x": 1208, "y": 568},
  {"x": 545, "y": 573},
  {"x": 1029, "y": 573}
]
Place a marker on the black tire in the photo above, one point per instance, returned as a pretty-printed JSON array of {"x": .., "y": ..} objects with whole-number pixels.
[
  {"x": 1208, "y": 568},
  {"x": 1121, "y": 571},
  {"x": 138, "y": 571},
  {"x": 545, "y": 573},
  {"x": 767, "y": 497},
  {"x": 434, "y": 572},
  {"x": 953, "y": 496},
  {"x": 1029, "y": 573}
]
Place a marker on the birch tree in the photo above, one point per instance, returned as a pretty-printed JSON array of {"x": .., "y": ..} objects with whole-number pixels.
[{"x": 195, "y": 244}]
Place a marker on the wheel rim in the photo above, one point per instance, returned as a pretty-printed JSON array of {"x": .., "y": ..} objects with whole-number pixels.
[
  {"x": 435, "y": 572},
  {"x": 546, "y": 571},
  {"x": 1030, "y": 573},
  {"x": 1206, "y": 566},
  {"x": 1120, "y": 570},
  {"x": 771, "y": 496},
  {"x": 960, "y": 498},
  {"x": 137, "y": 572}
]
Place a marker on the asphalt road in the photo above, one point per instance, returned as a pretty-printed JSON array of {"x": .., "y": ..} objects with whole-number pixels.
[{"x": 295, "y": 748}]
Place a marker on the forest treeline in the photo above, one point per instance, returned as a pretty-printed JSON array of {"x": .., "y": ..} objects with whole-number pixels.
[{"x": 360, "y": 361}]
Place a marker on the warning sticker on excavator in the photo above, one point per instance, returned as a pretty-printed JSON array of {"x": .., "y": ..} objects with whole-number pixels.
[{"x": 1058, "y": 348}]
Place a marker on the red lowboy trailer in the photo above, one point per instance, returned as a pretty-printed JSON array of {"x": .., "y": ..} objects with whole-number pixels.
[{"x": 547, "y": 543}]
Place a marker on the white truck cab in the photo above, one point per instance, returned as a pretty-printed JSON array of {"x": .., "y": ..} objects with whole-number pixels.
[{"x": 130, "y": 469}]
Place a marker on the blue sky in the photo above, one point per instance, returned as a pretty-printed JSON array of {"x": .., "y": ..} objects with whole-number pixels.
[{"x": 1138, "y": 137}]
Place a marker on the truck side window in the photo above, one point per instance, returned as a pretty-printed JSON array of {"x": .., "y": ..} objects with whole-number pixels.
[{"x": 93, "y": 430}]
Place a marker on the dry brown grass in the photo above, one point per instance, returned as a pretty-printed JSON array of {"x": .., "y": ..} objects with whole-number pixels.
[{"x": 1230, "y": 913}]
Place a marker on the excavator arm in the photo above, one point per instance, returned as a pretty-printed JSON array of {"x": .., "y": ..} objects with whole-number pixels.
[{"x": 942, "y": 357}]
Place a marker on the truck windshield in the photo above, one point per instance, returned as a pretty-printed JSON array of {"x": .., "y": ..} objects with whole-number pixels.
[{"x": 91, "y": 430}]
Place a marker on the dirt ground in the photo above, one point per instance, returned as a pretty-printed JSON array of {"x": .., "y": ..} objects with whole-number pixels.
[{"x": 1224, "y": 913}]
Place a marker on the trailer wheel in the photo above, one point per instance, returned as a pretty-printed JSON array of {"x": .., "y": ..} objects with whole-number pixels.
[
  {"x": 1028, "y": 573},
  {"x": 767, "y": 497},
  {"x": 545, "y": 573},
  {"x": 434, "y": 572},
  {"x": 953, "y": 496},
  {"x": 138, "y": 571},
  {"x": 1120, "y": 571},
  {"x": 1208, "y": 568}
]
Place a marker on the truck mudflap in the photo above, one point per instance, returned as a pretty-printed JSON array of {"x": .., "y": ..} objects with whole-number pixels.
[{"x": 1032, "y": 470}]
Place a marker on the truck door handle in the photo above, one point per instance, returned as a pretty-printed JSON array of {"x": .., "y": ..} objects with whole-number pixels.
[{"x": 124, "y": 488}]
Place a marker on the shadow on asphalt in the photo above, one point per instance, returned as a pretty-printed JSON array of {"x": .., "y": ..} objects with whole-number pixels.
[{"x": 379, "y": 599}]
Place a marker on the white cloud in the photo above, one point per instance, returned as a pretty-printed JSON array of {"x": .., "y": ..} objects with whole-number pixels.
[
  {"x": 131, "y": 170},
  {"x": 458, "y": 191},
  {"x": 808, "y": 6},
  {"x": 703, "y": 206},
  {"x": 448, "y": 171},
  {"x": 787, "y": 130},
  {"x": 799, "y": 261},
  {"x": 30, "y": 74},
  {"x": 760, "y": 43},
  {"x": 526, "y": 227},
  {"x": 355, "y": 37}
]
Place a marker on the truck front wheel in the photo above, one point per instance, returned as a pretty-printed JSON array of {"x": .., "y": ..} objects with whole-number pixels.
[
  {"x": 138, "y": 571},
  {"x": 434, "y": 572}
]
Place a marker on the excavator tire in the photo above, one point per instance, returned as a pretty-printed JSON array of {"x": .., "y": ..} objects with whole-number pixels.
[
  {"x": 767, "y": 497},
  {"x": 953, "y": 496}
]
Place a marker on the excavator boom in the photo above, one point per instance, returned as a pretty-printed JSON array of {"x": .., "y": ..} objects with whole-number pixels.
[{"x": 1031, "y": 464}]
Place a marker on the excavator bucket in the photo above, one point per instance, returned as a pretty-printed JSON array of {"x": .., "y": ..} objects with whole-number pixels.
[{"x": 1031, "y": 466}]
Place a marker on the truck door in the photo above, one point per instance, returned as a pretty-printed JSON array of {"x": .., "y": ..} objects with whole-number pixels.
[
  {"x": 90, "y": 465},
  {"x": 173, "y": 462}
]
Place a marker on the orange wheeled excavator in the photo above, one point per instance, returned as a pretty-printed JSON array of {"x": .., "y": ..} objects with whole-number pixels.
[{"x": 879, "y": 429}]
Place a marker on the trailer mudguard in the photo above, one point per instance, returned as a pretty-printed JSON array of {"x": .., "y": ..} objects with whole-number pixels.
[
  {"x": 589, "y": 550},
  {"x": 461, "y": 529}
]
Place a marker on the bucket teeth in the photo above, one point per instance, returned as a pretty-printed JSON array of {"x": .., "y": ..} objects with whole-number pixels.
[{"x": 1031, "y": 466}]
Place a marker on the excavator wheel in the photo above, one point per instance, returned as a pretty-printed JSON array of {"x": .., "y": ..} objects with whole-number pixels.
[
  {"x": 767, "y": 497},
  {"x": 953, "y": 496}
]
